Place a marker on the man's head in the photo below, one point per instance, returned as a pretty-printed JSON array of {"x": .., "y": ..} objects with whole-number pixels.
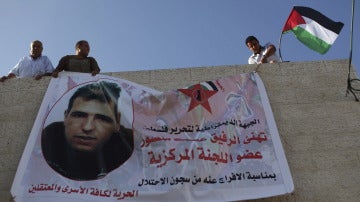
[
  {"x": 36, "y": 49},
  {"x": 253, "y": 44},
  {"x": 82, "y": 48},
  {"x": 92, "y": 116}
]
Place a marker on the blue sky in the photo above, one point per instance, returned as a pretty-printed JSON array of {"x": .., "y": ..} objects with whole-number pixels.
[{"x": 129, "y": 35}]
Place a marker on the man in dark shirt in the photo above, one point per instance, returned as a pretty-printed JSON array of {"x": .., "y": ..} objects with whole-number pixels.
[
  {"x": 90, "y": 142},
  {"x": 79, "y": 62}
]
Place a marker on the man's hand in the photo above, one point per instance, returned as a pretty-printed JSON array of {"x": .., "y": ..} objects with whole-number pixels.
[
  {"x": 94, "y": 72},
  {"x": 2, "y": 79},
  {"x": 38, "y": 77},
  {"x": 55, "y": 74},
  {"x": 11, "y": 75}
]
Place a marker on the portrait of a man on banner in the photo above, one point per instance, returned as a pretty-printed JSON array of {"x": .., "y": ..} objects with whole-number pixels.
[{"x": 90, "y": 142}]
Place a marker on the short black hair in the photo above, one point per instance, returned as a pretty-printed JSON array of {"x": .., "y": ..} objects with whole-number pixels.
[
  {"x": 250, "y": 38},
  {"x": 79, "y": 43},
  {"x": 102, "y": 91}
]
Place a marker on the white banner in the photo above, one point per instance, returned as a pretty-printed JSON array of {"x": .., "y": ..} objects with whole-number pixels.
[{"x": 107, "y": 139}]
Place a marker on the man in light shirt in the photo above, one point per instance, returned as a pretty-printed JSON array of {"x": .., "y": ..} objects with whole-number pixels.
[
  {"x": 34, "y": 65},
  {"x": 261, "y": 54}
]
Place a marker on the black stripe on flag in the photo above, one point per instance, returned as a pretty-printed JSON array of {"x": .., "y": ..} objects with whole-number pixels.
[
  {"x": 209, "y": 85},
  {"x": 320, "y": 18}
]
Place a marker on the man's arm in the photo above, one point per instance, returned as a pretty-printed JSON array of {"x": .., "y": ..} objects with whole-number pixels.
[
  {"x": 61, "y": 66},
  {"x": 95, "y": 69},
  {"x": 269, "y": 51},
  {"x": 13, "y": 72},
  {"x": 9, "y": 76}
]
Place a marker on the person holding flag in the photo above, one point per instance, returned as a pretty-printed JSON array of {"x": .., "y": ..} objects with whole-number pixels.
[{"x": 261, "y": 54}]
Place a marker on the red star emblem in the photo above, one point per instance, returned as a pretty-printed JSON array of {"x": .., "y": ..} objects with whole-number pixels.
[{"x": 199, "y": 96}]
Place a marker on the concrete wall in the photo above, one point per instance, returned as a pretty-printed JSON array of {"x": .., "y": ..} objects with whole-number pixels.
[{"x": 319, "y": 126}]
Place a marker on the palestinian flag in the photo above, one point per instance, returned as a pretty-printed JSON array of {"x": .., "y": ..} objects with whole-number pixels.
[{"x": 312, "y": 28}]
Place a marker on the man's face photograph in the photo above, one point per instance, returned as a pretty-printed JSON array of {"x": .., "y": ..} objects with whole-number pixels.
[
  {"x": 89, "y": 124},
  {"x": 84, "y": 138}
]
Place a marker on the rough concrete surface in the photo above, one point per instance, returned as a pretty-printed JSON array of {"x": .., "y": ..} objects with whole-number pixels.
[{"x": 319, "y": 126}]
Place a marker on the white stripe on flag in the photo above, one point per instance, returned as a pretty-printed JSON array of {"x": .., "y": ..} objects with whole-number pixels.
[
  {"x": 208, "y": 86},
  {"x": 319, "y": 31}
]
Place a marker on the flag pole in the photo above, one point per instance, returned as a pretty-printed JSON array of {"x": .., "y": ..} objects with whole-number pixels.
[
  {"x": 349, "y": 80},
  {"x": 281, "y": 34},
  {"x": 281, "y": 60}
]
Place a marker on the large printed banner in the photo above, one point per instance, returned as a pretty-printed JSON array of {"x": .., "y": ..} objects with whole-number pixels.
[{"x": 107, "y": 139}]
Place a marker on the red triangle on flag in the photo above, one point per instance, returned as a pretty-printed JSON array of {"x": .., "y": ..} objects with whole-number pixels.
[{"x": 294, "y": 20}]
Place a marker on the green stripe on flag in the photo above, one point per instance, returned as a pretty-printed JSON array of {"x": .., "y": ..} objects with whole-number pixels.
[{"x": 310, "y": 40}]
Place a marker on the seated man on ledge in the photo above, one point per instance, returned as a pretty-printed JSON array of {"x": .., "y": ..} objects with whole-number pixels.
[
  {"x": 79, "y": 62},
  {"x": 90, "y": 142},
  {"x": 34, "y": 65}
]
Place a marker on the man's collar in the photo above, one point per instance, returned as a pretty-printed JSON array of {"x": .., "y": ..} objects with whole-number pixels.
[{"x": 34, "y": 58}]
